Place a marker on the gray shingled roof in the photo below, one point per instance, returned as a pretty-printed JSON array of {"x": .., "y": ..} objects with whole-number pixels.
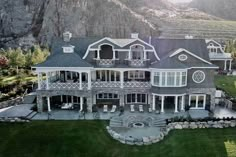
[
  {"x": 164, "y": 46},
  {"x": 64, "y": 60},
  {"x": 169, "y": 63},
  {"x": 60, "y": 59}
]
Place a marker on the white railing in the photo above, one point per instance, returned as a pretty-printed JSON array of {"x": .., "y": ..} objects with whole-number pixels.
[
  {"x": 106, "y": 62},
  {"x": 219, "y": 55},
  {"x": 43, "y": 84},
  {"x": 136, "y": 62},
  {"x": 64, "y": 86},
  {"x": 105, "y": 84},
  {"x": 136, "y": 84}
]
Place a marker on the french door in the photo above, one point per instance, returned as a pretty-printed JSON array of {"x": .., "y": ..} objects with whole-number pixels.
[{"x": 136, "y": 98}]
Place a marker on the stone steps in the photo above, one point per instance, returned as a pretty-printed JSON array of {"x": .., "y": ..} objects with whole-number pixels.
[
  {"x": 31, "y": 115},
  {"x": 116, "y": 122},
  {"x": 159, "y": 123}
]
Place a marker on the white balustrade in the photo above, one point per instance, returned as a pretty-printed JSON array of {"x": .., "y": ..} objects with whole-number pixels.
[
  {"x": 106, "y": 62},
  {"x": 136, "y": 62},
  {"x": 105, "y": 84},
  {"x": 219, "y": 55},
  {"x": 137, "y": 84}
]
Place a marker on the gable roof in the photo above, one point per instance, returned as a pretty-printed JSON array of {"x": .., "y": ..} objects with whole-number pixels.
[
  {"x": 165, "y": 46},
  {"x": 190, "y": 53},
  {"x": 169, "y": 63},
  {"x": 211, "y": 40}
]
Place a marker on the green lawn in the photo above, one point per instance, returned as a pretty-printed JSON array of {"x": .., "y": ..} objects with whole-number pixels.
[
  {"x": 227, "y": 83},
  {"x": 90, "y": 139}
]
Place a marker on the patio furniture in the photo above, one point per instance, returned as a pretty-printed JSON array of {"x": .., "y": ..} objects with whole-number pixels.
[
  {"x": 66, "y": 106},
  {"x": 132, "y": 108},
  {"x": 113, "y": 109},
  {"x": 141, "y": 108},
  {"x": 150, "y": 110},
  {"x": 105, "y": 108}
]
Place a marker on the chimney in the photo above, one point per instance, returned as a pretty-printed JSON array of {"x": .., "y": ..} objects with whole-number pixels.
[
  {"x": 188, "y": 36},
  {"x": 67, "y": 36},
  {"x": 134, "y": 35}
]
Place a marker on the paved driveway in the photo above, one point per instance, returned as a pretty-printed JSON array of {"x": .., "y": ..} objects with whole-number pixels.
[{"x": 17, "y": 111}]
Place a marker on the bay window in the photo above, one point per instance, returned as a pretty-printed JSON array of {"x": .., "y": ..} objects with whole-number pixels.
[{"x": 170, "y": 79}]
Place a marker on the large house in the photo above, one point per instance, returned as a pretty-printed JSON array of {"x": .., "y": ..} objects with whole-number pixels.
[{"x": 165, "y": 75}]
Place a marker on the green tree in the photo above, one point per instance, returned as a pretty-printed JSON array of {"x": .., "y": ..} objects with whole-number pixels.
[
  {"x": 28, "y": 59},
  {"x": 16, "y": 58},
  {"x": 39, "y": 55},
  {"x": 231, "y": 48}
]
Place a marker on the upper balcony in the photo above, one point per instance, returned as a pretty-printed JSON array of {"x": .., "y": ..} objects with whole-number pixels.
[{"x": 214, "y": 55}]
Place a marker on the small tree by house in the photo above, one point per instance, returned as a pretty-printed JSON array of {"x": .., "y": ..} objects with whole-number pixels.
[
  {"x": 39, "y": 55},
  {"x": 16, "y": 58}
]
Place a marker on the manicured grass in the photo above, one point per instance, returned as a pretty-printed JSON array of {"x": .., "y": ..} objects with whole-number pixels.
[
  {"x": 90, "y": 139},
  {"x": 227, "y": 83}
]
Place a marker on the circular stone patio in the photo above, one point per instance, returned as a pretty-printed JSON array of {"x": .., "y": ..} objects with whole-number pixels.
[{"x": 137, "y": 129}]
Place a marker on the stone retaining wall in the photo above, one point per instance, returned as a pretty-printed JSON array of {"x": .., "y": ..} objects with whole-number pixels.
[
  {"x": 9, "y": 103},
  {"x": 171, "y": 126},
  {"x": 13, "y": 120}
]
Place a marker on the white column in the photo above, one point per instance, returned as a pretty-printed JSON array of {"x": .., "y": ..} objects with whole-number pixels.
[
  {"x": 39, "y": 80},
  {"x": 225, "y": 65},
  {"x": 61, "y": 98},
  {"x": 81, "y": 103},
  {"x": 47, "y": 81},
  {"x": 176, "y": 104},
  {"x": 65, "y": 75},
  {"x": 129, "y": 55},
  {"x": 121, "y": 79},
  {"x": 98, "y": 54},
  {"x": 89, "y": 80},
  {"x": 154, "y": 102},
  {"x": 162, "y": 103},
  {"x": 182, "y": 103},
  {"x": 230, "y": 65},
  {"x": 114, "y": 55},
  {"x": 49, "y": 106},
  {"x": 145, "y": 55},
  {"x": 80, "y": 80}
]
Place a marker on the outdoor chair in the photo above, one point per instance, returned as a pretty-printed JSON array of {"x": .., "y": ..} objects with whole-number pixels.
[
  {"x": 141, "y": 108},
  {"x": 113, "y": 109},
  {"x": 150, "y": 110},
  {"x": 132, "y": 108},
  {"x": 105, "y": 108}
]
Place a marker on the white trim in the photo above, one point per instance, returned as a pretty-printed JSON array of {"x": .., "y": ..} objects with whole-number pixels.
[
  {"x": 113, "y": 41},
  {"x": 196, "y": 105},
  {"x": 169, "y": 94},
  {"x": 183, "y": 59},
  {"x": 211, "y": 40},
  {"x": 198, "y": 71},
  {"x": 190, "y": 53}
]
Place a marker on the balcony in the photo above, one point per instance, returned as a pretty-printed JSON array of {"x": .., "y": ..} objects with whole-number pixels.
[
  {"x": 137, "y": 84},
  {"x": 220, "y": 55},
  {"x": 99, "y": 84},
  {"x": 64, "y": 86},
  {"x": 137, "y": 62},
  {"x": 105, "y": 62}
]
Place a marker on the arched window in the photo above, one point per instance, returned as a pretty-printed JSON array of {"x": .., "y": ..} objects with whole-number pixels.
[{"x": 106, "y": 52}]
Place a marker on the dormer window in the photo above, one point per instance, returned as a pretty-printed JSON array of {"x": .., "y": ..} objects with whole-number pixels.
[
  {"x": 68, "y": 49},
  {"x": 67, "y": 36}
]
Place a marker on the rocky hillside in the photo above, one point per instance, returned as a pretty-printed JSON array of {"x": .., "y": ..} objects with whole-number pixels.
[
  {"x": 28, "y": 21},
  {"x": 221, "y": 8}
]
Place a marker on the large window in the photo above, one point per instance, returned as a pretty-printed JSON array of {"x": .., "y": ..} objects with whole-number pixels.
[
  {"x": 107, "y": 96},
  {"x": 197, "y": 101},
  {"x": 136, "y": 74},
  {"x": 136, "y": 98},
  {"x": 170, "y": 79}
]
